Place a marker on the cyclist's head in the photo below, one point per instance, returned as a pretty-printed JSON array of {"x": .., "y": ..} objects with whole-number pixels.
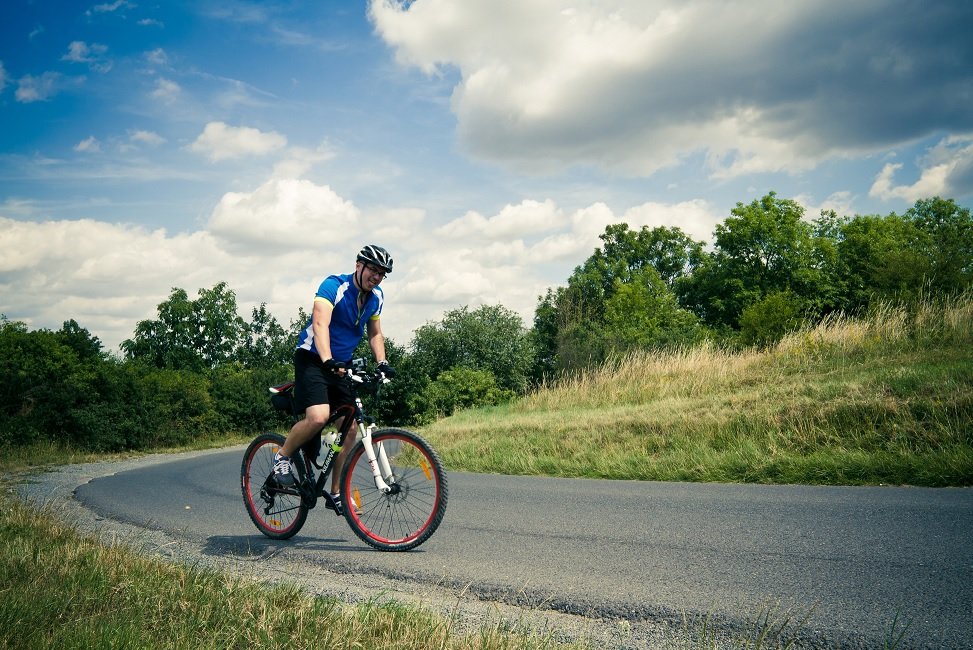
[{"x": 376, "y": 256}]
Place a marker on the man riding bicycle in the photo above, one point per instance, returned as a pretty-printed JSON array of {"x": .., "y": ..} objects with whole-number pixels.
[{"x": 344, "y": 307}]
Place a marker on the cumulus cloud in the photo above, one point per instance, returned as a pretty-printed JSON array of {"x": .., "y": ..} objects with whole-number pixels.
[
  {"x": 945, "y": 170},
  {"x": 105, "y": 276},
  {"x": 697, "y": 218},
  {"x": 219, "y": 141},
  {"x": 635, "y": 86},
  {"x": 3, "y": 77},
  {"x": 527, "y": 218},
  {"x": 275, "y": 244},
  {"x": 282, "y": 215}
]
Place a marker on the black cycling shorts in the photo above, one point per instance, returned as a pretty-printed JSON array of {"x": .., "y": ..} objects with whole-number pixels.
[{"x": 314, "y": 385}]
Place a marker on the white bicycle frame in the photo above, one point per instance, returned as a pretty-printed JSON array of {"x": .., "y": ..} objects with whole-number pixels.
[{"x": 378, "y": 462}]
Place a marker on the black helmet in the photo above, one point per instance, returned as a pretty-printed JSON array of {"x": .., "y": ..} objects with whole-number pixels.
[{"x": 376, "y": 255}]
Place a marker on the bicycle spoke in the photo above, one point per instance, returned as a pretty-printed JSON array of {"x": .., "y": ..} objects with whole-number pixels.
[
  {"x": 278, "y": 513},
  {"x": 409, "y": 514}
]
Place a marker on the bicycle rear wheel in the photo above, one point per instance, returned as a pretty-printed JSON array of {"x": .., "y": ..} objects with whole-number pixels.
[
  {"x": 407, "y": 516},
  {"x": 277, "y": 512}
]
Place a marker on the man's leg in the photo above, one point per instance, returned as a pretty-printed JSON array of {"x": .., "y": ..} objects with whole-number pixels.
[
  {"x": 339, "y": 462},
  {"x": 303, "y": 430}
]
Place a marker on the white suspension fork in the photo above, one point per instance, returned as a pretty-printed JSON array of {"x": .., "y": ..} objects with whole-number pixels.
[{"x": 378, "y": 462}]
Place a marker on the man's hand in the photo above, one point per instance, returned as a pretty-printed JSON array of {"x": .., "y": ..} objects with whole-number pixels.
[
  {"x": 335, "y": 367},
  {"x": 386, "y": 369}
]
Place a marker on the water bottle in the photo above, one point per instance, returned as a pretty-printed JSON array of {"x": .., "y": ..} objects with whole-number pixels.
[{"x": 329, "y": 440}]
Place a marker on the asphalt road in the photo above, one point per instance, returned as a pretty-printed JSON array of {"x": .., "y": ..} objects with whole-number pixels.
[{"x": 848, "y": 558}]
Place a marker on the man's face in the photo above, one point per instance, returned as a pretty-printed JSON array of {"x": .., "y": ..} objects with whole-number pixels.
[{"x": 371, "y": 275}]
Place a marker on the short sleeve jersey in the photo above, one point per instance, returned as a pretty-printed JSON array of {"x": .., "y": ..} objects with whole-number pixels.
[{"x": 347, "y": 321}]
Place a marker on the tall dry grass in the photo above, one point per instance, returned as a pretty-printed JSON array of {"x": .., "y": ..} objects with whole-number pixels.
[{"x": 887, "y": 398}]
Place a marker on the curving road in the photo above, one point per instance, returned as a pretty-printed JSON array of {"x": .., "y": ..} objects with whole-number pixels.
[{"x": 850, "y": 558}]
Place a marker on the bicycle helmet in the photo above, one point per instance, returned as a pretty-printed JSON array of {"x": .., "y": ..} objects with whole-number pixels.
[{"x": 376, "y": 255}]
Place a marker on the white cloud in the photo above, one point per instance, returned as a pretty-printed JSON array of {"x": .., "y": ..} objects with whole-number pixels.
[
  {"x": 527, "y": 218},
  {"x": 146, "y": 137},
  {"x": 634, "y": 86},
  {"x": 945, "y": 170},
  {"x": 283, "y": 215},
  {"x": 157, "y": 57},
  {"x": 299, "y": 160},
  {"x": 93, "y": 55},
  {"x": 37, "y": 89},
  {"x": 3, "y": 77},
  {"x": 276, "y": 243},
  {"x": 696, "y": 218},
  {"x": 841, "y": 202},
  {"x": 109, "y": 7},
  {"x": 88, "y": 145},
  {"x": 219, "y": 141},
  {"x": 166, "y": 91},
  {"x": 109, "y": 276}
]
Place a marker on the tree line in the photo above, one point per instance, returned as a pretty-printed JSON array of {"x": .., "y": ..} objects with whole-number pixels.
[{"x": 201, "y": 369}]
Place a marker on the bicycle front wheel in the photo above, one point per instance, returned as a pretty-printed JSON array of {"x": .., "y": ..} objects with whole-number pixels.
[
  {"x": 278, "y": 513},
  {"x": 410, "y": 513}
]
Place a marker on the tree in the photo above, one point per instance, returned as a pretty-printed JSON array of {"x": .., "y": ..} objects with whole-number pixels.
[
  {"x": 669, "y": 251},
  {"x": 189, "y": 334},
  {"x": 644, "y": 313},
  {"x": 491, "y": 338},
  {"x": 884, "y": 258},
  {"x": 949, "y": 228},
  {"x": 762, "y": 248},
  {"x": 80, "y": 340},
  {"x": 624, "y": 287},
  {"x": 264, "y": 342}
]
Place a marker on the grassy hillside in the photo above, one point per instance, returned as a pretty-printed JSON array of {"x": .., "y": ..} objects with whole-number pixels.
[{"x": 882, "y": 400}]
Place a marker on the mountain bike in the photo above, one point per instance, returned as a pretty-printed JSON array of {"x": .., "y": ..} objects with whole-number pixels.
[{"x": 393, "y": 487}]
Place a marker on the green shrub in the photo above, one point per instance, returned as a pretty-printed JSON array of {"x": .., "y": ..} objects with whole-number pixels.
[{"x": 460, "y": 388}]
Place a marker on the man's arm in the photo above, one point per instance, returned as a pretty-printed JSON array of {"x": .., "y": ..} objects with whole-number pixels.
[
  {"x": 320, "y": 322},
  {"x": 376, "y": 340}
]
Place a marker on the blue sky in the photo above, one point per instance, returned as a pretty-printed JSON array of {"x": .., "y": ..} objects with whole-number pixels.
[{"x": 485, "y": 143}]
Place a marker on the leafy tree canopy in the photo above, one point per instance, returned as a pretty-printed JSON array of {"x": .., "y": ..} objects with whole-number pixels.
[
  {"x": 491, "y": 338},
  {"x": 190, "y": 334}
]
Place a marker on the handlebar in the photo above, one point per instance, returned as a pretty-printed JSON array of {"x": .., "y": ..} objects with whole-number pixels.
[{"x": 356, "y": 372}]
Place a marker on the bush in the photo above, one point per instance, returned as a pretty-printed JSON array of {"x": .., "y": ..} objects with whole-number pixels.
[
  {"x": 766, "y": 321},
  {"x": 460, "y": 388},
  {"x": 240, "y": 399}
]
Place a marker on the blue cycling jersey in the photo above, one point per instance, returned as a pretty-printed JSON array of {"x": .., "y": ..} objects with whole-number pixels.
[{"x": 347, "y": 321}]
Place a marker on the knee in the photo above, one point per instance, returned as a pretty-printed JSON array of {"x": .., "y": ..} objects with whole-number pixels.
[{"x": 316, "y": 416}]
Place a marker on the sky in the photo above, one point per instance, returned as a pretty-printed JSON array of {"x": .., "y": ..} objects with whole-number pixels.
[{"x": 146, "y": 146}]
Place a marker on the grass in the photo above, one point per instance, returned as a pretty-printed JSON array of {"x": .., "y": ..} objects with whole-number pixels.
[
  {"x": 882, "y": 400},
  {"x": 61, "y": 589}
]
